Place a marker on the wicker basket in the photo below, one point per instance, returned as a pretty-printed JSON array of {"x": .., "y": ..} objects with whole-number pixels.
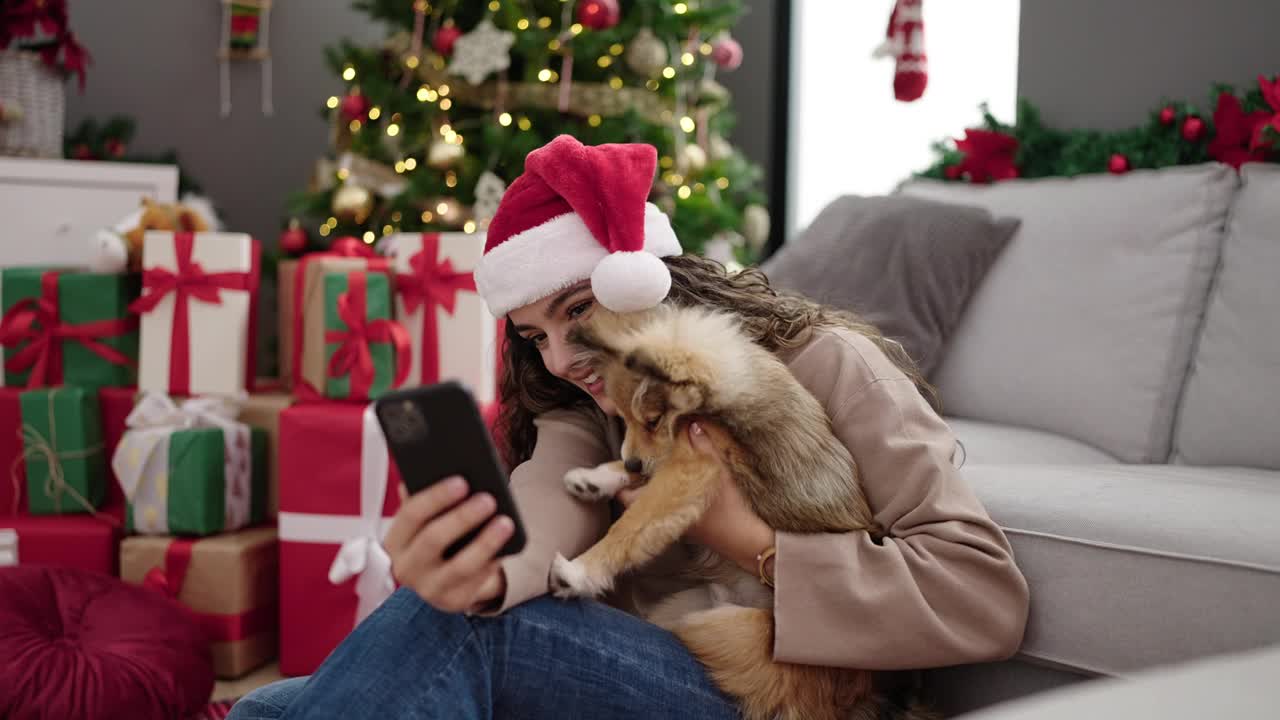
[{"x": 38, "y": 93}]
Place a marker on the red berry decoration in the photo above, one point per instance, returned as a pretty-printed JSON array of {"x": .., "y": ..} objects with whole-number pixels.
[
  {"x": 599, "y": 14},
  {"x": 444, "y": 39},
  {"x": 114, "y": 147},
  {"x": 727, "y": 53},
  {"x": 1118, "y": 164},
  {"x": 1168, "y": 115},
  {"x": 294, "y": 239},
  {"x": 82, "y": 152},
  {"x": 1192, "y": 129},
  {"x": 355, "y": 106},
  {"x": 952, "y": 172}
]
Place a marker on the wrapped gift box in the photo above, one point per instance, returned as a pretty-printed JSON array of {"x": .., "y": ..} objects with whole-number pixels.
[
  {"x": 309, "y": 325},
  {"x": 262, "y": 411},
  {"x": 337, "y": 493},
  {"x": 228, "y": 582},
  {"x": 87, "y": 542},
  {"x": 62, "y": 447},
  {"x": 191, "y": 468},
  {"x": 198, "y": 308},
  {"x": 66, "y": 327},
  {"x": 450, "y": 328},
  {"x": 286, "y": 277},
  {"x": 115, "y": 404},
  {"x": 366, "y": 352},
  {"x": 13, "y": 472}
]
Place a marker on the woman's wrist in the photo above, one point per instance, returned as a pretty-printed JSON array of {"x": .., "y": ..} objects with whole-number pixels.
[{"x": 754, "y": 542}]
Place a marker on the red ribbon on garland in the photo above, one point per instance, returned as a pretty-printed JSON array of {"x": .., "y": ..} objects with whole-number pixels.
[
  {"x": 353, "y": 356},
  {"x": 432, "y": 283},
  {"x": 192, "y": 282},
  {"x": 37, "y": 322},
  {"x": 218, "y": 627}
]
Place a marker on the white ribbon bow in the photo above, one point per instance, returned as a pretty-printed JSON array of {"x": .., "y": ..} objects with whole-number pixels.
[{"x": 362, "y": 555}]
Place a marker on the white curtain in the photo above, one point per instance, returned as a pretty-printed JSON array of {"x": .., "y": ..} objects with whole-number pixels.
[{"x": 848, "y": 134}]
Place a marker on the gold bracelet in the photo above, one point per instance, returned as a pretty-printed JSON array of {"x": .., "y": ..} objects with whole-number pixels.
[{"x": 763, "y": 558}]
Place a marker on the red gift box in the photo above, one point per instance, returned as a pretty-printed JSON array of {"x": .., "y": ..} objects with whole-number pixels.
[
  {"x": 115, "y": 404},
  {"x": 88, "y": 542},
  {"x": 323, "y": 454}
]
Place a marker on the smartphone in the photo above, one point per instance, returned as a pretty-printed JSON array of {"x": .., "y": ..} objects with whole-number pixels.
[{"x": 436, "y": 431}]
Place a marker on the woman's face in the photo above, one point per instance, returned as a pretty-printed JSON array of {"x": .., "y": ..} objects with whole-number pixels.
[{"x": 546, "y": 323}]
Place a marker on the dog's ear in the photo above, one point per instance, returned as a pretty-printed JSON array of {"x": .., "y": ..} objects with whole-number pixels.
[{"x": 681, "y": 396}]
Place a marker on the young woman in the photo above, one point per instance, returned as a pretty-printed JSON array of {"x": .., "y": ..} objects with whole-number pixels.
[{"x": 473, "y": 637}]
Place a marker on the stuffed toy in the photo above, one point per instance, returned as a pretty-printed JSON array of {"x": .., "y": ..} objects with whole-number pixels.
[{"x": 119, "y": 249}]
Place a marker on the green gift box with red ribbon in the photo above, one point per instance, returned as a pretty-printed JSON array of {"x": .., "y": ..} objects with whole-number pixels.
[
  {"x": 64, "y": 327},
  {"x": 62, "y": 451},
  {"x": 366, "y": 352}
]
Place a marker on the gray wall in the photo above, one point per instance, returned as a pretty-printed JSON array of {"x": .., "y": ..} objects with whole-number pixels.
[
  {"x": 157, "y": 62},
  {"x": 754, "y": 84},
  {"x": 1104, "y": 63}
]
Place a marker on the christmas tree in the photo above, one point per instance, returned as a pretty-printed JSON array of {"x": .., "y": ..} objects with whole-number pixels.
[{"x": 436, "y": 121}]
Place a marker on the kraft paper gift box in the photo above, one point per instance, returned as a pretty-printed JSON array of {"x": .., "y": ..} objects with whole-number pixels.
[
  {"x": 67, "y": 327},
  {"x": 309, "y": 325},
  {"x": 286, "y": 277},
  {"x": 228, "y": 583},
  {"x": 366, "y": 352},
  {"x": 191, "y": 468},
  {"x": 198, "y": 313},
  {"x": 337, "y": 496},
  {"x": 262, "y": 411},
  {"x": 62, "y": 450},
  {"x": 451, "y": 331}
]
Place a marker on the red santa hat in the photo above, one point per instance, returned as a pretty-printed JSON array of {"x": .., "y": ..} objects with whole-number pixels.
[{"x": 579, "y": 212}]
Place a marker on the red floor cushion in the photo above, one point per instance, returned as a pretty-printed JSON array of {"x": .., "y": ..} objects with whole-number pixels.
[{"x": 77, "y": 644}]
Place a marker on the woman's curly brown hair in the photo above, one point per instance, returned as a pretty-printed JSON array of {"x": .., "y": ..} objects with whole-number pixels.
[{"x": 776, "y": 320}]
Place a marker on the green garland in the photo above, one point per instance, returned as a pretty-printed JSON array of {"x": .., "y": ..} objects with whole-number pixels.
[{"x": 1175, "y": 133}]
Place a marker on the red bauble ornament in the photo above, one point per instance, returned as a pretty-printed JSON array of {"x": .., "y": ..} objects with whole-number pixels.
[
  {"x": 1192, "y": 129},
  {"x": 727, "y": 53},
  {"x": 82, "y": 152},
  {"x": 1118, "y": 164},
  {"x": 114, "y": 147},
  {"x": 1168, "y": 115},
  {"x": 355, "y": 106},
  {"x": 294, "y": 239},
  {"x": 444, "y": 39},
  {"x": 599, "y": 14}
]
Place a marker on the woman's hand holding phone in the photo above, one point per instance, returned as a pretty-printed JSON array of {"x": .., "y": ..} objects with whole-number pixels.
[{"x": 430, "y": 521}]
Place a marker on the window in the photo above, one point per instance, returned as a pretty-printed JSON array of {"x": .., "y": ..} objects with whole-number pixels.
[{"x": 848, "y": 135}]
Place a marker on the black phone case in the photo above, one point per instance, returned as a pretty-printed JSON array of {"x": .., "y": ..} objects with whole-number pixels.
[{"x": 436, "y": 431}]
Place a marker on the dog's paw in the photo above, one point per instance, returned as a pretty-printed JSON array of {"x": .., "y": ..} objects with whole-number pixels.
[
  {"x": 594, "y": 484},
  {"x": 570, "y": 579}
]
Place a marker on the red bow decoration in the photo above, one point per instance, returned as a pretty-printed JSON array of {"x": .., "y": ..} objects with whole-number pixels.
[
  {"x": 190, "y": 281},
  {"x": 36, "y": 321},
  {"x": 433, "y": 283},
  {"x": 988, "y": 156},
  {"x": 1234, "y": 143},
  {"x": 353, "y": 356},
  {"x": 1270, "y": 93}
]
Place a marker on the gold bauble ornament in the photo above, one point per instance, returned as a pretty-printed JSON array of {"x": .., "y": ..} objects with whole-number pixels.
[
  {"x": 694, "y": 157},
  {"x": 720, "y": 148},
  {"x": 444, "y": 155},
  {"x": 755, "y": 226},
  {"x": 646, "y": 55},
  {"x": 352, "y": 203}
]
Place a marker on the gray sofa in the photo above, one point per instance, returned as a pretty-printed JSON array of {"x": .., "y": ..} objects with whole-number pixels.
[{"x": 1115, "y": 382}]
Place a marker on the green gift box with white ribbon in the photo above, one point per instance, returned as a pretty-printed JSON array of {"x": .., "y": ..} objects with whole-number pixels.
[
  {"x": 62, "y": 451},
  {"x": 191, "y": 468}
]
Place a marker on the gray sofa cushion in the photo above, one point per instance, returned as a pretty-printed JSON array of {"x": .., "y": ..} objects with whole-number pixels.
[
  {"x": 906, "y": 265},
  {"x": 988, "y": 443},
  {"x": 1230, "y": 413},
  {"x": 1134, "y": 566},
  {"x": 1085, "y": 323}
]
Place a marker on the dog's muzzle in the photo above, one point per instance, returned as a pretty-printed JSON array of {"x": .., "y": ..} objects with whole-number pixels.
[{"x": 633, "y": 465}]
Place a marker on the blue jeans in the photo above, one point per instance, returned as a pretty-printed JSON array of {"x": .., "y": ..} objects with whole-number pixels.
[{"x": 543, "y": 659}]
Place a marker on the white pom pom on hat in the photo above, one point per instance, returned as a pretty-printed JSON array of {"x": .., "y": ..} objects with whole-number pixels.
[{"x": 579, "y": 212}]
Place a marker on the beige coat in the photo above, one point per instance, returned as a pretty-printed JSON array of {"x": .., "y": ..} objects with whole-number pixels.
[{"x": 942, "y": 589}]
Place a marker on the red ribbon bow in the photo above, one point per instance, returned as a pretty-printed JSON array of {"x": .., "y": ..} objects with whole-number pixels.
[
  {"x": 353, "y": 356},
  {"x": 432, "y": 283},
  {"x": 36, "y": 321},
  {"x": 190, "y": 281}
]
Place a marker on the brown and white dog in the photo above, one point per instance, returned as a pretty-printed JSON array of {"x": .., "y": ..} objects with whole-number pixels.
[{"x": 663, "y": 370}]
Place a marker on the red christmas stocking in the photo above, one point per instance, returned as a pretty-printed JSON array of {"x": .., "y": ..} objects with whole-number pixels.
[{"x": 904, "y": 42}]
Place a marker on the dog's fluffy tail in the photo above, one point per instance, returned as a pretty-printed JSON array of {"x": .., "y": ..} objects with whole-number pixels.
[{"x": 735, "y": 644}]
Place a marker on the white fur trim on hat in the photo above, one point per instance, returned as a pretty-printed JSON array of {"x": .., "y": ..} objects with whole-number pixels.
[{"x": 560, "y": 252}]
